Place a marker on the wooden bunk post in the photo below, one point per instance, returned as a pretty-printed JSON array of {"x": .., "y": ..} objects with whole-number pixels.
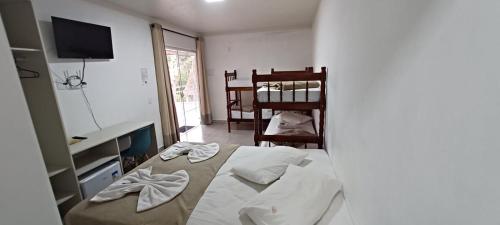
[
  {"x": 322, "y": 108},
  {"x": 228, "y": 101},
  {"x": 255, "y": 109}
]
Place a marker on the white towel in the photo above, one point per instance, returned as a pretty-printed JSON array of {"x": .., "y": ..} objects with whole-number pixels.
[
  {"x": 196, "y": 152},
  {"x": 176, "y": 150},
  {"x": 154, "y": 189},
  {"x": 203, "y": 152}
]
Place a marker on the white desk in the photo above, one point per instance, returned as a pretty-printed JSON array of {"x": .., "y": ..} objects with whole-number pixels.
[{"x": 102, "y": 146}]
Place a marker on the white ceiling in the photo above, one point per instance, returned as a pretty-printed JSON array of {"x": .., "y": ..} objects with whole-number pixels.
[{"x": 227, "y": 16}]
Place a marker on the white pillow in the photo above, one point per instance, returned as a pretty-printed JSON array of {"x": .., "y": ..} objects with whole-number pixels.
[
  {"x": 268, "y": 165},
  {"x": 300, "y": 197},
  {"x": 293, "y": 118}
]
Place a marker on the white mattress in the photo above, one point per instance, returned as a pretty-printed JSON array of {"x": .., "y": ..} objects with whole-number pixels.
[
  {"x": 240, "y": 83},
  {"x": 227, "y": 193},
  {"x": 273, "y": 128},
  {"x": 300, "y": 95},
  {"x": 236, "y": 114}
]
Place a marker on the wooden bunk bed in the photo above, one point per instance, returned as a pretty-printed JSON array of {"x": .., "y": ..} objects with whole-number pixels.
[
  {"x": 296, "y": 98},
  {"x": 236, "y": 111}
]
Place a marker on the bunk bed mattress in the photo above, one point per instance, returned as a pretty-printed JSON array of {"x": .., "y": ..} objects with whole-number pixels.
[
  {"x": 300, "y": 95},
  {"x": 227, "y": 193},
  {"x": 239, "y": 83},
  {"x": 266, "y": 114}
]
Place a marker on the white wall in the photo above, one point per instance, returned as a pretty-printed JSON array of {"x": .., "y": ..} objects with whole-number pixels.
[
  {"x": 25, "y": 193},
  {"x": 413, "y": 108},
  {"x": 282, "y": 50},
  {"x": 115, "y": 89}
]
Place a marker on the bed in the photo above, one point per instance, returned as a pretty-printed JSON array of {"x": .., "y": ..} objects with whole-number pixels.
[
  {"x": 227, "y": 193},
  {"x": 303, "y": 91},
  {"x": 235, "y": 83},
  {"x": 234, "y": 104},
  {"x": 274, "y": 129},
  {"x": 217, "y": 203}
]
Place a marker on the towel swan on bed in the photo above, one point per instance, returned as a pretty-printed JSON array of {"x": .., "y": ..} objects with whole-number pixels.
[
  {"x": 196, "y": 152},
  {"x": 154, "y": 189}
]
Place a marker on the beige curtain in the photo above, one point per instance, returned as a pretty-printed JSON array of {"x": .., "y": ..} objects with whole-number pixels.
[
  {"x": 168, "y": 115},
  {"x": 205, "y": 110}
]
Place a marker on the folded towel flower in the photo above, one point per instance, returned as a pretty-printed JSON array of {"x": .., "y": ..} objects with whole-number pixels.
[
  {"x": 196, "y": 152},
  {"x": 154, "y": 189}
]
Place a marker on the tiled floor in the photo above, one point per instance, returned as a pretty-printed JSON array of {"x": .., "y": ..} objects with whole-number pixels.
[{"x": 241, "y": 134}]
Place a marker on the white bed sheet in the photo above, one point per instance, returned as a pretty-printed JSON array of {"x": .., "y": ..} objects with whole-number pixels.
[
  {"x": 240, "y": 83},
  {"x": 300, "y": 95},
  {"x": 273, "y": 128},
  {"x": 266, "y": 114},
  {"x": 227, "y": 193}
]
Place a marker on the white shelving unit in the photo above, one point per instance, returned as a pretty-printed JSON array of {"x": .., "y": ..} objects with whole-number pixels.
[
  {"x": 63, "y": 197},
  {"x": 90, "y": 163},
  {"x": 54, "y": 170},
  {"x": 64, "y": 163},
  {"x": 26, "y": 44},
  {"x": 17, "y": 49}
]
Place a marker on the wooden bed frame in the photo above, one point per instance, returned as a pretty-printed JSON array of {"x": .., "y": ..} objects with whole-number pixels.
[
  {"x": 293, "y": 76},
  {"x": 234, "y": 104}
]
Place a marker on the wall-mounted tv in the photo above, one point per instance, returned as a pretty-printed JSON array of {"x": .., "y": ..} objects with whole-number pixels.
[{"x": 75, "y": 39}]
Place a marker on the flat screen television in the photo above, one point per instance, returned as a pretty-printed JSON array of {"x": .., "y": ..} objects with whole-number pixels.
[{"x": 75, "y": 39}]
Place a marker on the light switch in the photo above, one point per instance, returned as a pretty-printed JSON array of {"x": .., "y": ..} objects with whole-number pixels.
[{"x": 144, "y": 76}]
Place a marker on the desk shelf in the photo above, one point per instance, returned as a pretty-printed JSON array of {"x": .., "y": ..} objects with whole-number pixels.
[
  {"x": 105, "y": 135},
  {"x": 91, "y": 158},
  {"x": 89, "y": 162}
]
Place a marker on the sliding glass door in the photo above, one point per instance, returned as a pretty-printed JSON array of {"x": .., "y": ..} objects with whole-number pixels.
[{"x": 184, "y": 79}]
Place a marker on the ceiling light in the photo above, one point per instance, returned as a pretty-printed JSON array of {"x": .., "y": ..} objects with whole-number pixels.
[{"x": 210, "y": 1}]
